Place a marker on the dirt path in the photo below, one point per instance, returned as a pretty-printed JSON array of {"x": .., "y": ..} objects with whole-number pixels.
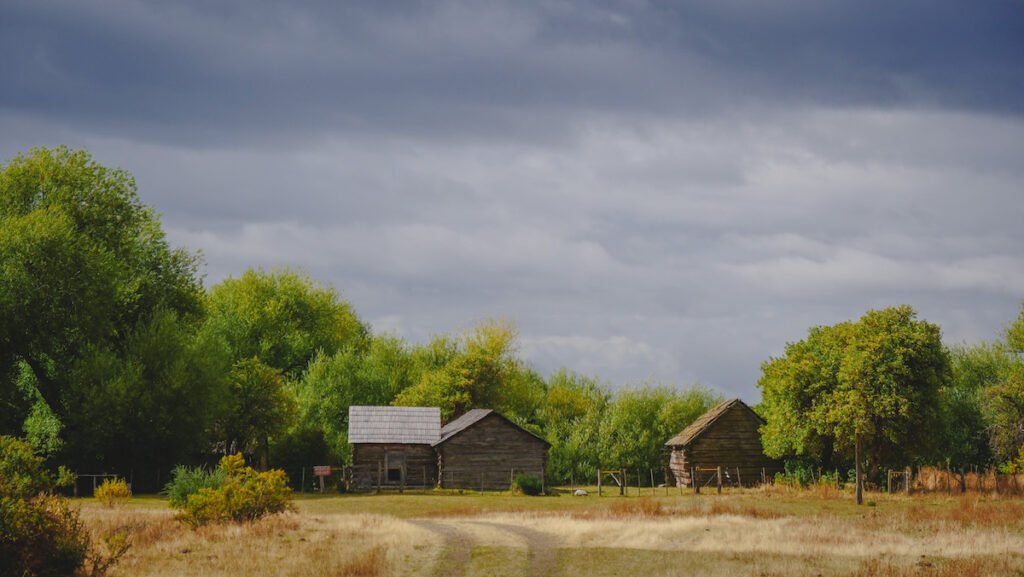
[
  {"x": 458, "y": 547},
  {"x": 542, "y": 556}
]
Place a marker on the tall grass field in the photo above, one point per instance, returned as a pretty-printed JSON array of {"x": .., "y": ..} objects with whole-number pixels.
[{"x": 764, "y": 532}]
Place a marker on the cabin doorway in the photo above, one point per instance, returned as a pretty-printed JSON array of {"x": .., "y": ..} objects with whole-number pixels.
[{"x": 394, "y": 464}]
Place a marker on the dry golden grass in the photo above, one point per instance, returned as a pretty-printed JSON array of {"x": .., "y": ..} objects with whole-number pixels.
[
  {"x": 281, "y": 545},
  {"x": 770, "y": 533}
]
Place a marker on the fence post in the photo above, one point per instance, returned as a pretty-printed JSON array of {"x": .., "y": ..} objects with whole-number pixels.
[
  {"x": 739, "y": 480},
  {"x": 622, "y": 485},
  {"x": 719, "y": 479},
  {"x": 652, "y": 481},
  {"x": 693, "y": 480},
  {"x": 599, "y": 482}
]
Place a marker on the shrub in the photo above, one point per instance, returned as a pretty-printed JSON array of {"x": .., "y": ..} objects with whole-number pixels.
[
  {"x": 187, "y": 481},
  {"x": 40, "y": 535},
  {"x": 244, "y": 495},
  {"x": 527, "y": 484},
  {"x": 113, "y": 492}
]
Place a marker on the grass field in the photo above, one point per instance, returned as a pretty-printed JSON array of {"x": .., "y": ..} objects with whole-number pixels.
[{"x": 748, "y": 532}]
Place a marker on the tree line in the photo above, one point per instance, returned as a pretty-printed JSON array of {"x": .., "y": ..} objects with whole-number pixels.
[
  {"x": 884, "y": 392},
  {"x": 114, "y": 356}
]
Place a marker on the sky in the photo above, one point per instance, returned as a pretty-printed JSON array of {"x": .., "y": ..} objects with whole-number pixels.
[{"x": 654, "y": 192}]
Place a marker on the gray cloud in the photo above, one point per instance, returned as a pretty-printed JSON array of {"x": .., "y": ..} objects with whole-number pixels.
[{"x": 654, "y": 192}]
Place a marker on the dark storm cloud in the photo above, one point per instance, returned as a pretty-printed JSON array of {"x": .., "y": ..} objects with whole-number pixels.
[
  {"x": 663, "y": 191},
  {"x": 223, "y": 71}
]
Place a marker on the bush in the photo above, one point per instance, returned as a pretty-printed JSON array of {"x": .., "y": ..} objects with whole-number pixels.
[
  {"x": 40, "y": 535},
  {"x": 527, "y": 484},
  {"x": 244, "y": 495},
  {"x": 113, "y": 492},
  {"x": 187, "y": 481}
]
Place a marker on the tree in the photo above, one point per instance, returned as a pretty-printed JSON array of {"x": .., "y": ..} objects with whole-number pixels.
[
  {"x": 355, "y": 375},
  {"x": 82, "y": 260},
  {"x": 1005, "y": 399},
  {"x": 150, "y": 402},
  {"x": 479, "y": 370},
  {"x": 259, "y": 408},
  {"x": 571, "y": 414},
  {"x": 84, "y": 266},
  {"x": 639, "y": 421},
  {"x": 792, "y": 387},
  {"x": 1015, "y": 333},
  {"x": 282, "y": 317},
  {"x": 975, "y": 370},
  {"x": 871, "y": 387}
]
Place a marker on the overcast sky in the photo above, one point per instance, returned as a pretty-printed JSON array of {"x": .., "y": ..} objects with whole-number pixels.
[{"x": 662, "y": 192}]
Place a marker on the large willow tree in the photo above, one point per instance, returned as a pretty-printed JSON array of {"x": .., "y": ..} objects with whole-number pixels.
[{"x": 88, "y": 287}]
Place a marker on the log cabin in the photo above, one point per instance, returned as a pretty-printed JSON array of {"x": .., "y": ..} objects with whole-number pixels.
[
  {"x": 398, "y": 447},
  {"x": 727, "y": 436},
  {"x": 483, "y": 449}
]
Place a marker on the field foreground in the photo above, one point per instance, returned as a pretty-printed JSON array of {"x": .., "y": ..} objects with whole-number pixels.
[{"x": 746, "y": 532}]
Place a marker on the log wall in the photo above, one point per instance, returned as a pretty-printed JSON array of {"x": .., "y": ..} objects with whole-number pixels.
[
  {"x": 486, "y": 454},
  {"x": 732, "y": 441},
  {"x": 368, "y": 458}
]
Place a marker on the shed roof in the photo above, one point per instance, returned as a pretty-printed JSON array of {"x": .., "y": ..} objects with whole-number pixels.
[
  {"x": 471, "y": 417},
  {"x": 704, "y": 422},
  {"x": 401, "y": 425}
]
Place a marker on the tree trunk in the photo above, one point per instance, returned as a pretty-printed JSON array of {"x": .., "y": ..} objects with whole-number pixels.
[
  {"x": 859, "y": 491},
  {"x": 47, "y": 388}
]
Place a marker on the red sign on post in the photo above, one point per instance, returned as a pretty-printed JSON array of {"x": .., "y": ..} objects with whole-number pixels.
[{"x": 322, "y": 470}]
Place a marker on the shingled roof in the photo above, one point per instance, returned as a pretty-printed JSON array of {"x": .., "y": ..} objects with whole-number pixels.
[
  {"x": 704, "y": 422},
  {"x": 471, "y": 417},
  {"x": 400, "y": 425}
]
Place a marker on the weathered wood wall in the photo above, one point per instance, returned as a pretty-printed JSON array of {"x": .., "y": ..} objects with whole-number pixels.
[
  {"x": 368, "y": 458},
  {"x": 486, "y": 454},
  {"x": 731, "y": 442}
]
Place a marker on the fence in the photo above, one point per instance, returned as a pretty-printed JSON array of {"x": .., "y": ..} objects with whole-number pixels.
[{"x": 988, "y": 482}]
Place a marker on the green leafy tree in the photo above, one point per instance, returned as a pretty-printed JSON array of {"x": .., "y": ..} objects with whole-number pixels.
[
  {"x": 639, "y": 421},
  {"x": 871, "y": 387},
  {"x": 975, "y": 370},
  {"x": 571, "y": 413},
  {"x": 149, "y": 403},
  {"x": 259, "y": 408},
  {"x": 374, "y": 374},
  {"x": 1005, "y": 398},
  {"x": 480, "y": 370},
  {"x": 82, "y": 261},
  {"x": 282, "y": 318}
]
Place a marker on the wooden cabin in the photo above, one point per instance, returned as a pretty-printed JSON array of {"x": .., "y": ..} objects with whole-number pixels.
[
  {"x": 483, "y": 449},
  {"x": 727, "y": 436},
  {"x": 392, "y": 446}
]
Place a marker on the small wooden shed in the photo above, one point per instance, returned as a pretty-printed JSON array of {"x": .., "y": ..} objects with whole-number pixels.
[
  {"x": 391, "y": 446},
  {"x": 483, "y": 449},
  {"x": 727, "y": 436}
]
